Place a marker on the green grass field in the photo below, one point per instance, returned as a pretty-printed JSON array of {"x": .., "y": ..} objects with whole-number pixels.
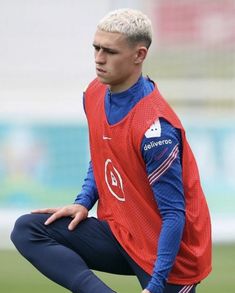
[{"x": 18, "y": 276}]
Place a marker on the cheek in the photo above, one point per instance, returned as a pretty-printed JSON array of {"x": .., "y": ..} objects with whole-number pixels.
[{"x": 122, "y": 66}]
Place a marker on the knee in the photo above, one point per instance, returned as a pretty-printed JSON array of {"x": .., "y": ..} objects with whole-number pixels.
[
  {"x": 20, "y": 229},
  {"x": 23, "y": 230}
]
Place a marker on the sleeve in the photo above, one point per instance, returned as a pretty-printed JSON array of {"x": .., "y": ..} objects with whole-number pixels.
[
  {"x": 89, "y": 194},
  {"x": 162, "y": 155}
]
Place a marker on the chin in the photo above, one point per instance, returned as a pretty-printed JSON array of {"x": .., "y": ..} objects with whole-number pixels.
[{"x": 102, "y": 80}]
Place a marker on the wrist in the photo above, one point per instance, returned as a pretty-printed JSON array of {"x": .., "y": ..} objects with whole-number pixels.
[{"x": 153, "y": 288}]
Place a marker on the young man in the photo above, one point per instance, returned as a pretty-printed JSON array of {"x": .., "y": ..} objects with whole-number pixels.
[{"x": 153, "y": 220}]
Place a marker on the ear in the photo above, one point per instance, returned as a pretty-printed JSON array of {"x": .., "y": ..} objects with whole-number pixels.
[{"x": 141, "y": 53}]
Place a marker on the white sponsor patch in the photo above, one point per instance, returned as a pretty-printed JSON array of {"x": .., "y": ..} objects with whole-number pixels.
[
  {"x": 153, "y": 144},
  {"x": 154, "y": 130}
]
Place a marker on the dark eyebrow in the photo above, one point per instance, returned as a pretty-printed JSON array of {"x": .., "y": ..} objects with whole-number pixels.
[
  {"x": 106, "y": 49},
  {"x": 96, "y": 46}
]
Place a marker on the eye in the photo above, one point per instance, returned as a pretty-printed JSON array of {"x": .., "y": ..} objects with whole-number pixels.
[
  {"x": 110, "y": 51},
  {"x": 105, "y": 50}
]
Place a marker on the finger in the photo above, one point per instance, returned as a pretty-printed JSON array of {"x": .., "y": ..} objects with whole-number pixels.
[
  {"x": 73, "y": 224},
  {"x": 55, "y": 216},
  {"x": 45, "y": 211},
  {"x": 77, "y": 219},
  {"x": 50, "y": 220}
]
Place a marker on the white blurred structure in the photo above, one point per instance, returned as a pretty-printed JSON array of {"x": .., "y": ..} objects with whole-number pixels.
[{"x": 46, "y": 56}]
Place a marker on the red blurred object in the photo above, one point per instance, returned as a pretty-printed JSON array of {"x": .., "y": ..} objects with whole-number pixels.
[{"x": 197, "y": 23}]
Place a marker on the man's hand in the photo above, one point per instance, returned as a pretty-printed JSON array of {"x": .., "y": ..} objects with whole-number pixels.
[
  {"x": 76, "y": 211},
  {"x": 145, "y": 291}
]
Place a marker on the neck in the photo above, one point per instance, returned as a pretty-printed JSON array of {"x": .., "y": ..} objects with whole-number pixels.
[{"x": 118, "y": 88}]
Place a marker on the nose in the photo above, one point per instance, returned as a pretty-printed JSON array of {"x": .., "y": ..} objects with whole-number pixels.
[{"x": 100, "y": 57}]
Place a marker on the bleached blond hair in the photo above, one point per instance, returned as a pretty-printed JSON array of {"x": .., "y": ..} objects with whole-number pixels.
[{"x": 135, "y": 25}]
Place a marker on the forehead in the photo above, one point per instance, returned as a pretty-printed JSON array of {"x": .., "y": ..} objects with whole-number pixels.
[{"x": 108, "y": 39}]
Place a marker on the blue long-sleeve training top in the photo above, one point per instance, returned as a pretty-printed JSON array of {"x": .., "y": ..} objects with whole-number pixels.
[{"x": 164, "y": 171}]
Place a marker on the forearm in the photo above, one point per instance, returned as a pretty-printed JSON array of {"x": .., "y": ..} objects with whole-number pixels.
[
  {"x": 89, "y": 194},
  {"x": 168, "y": 247}
]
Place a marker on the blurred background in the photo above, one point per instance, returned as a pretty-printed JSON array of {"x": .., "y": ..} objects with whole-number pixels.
[{"x": 46, "y": 60}]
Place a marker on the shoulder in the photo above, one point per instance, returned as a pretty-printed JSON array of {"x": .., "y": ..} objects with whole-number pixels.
[{"x": 160, "y": 129}]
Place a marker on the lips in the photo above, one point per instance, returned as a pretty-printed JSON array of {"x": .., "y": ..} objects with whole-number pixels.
[{"x": 100, "y": 70}]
